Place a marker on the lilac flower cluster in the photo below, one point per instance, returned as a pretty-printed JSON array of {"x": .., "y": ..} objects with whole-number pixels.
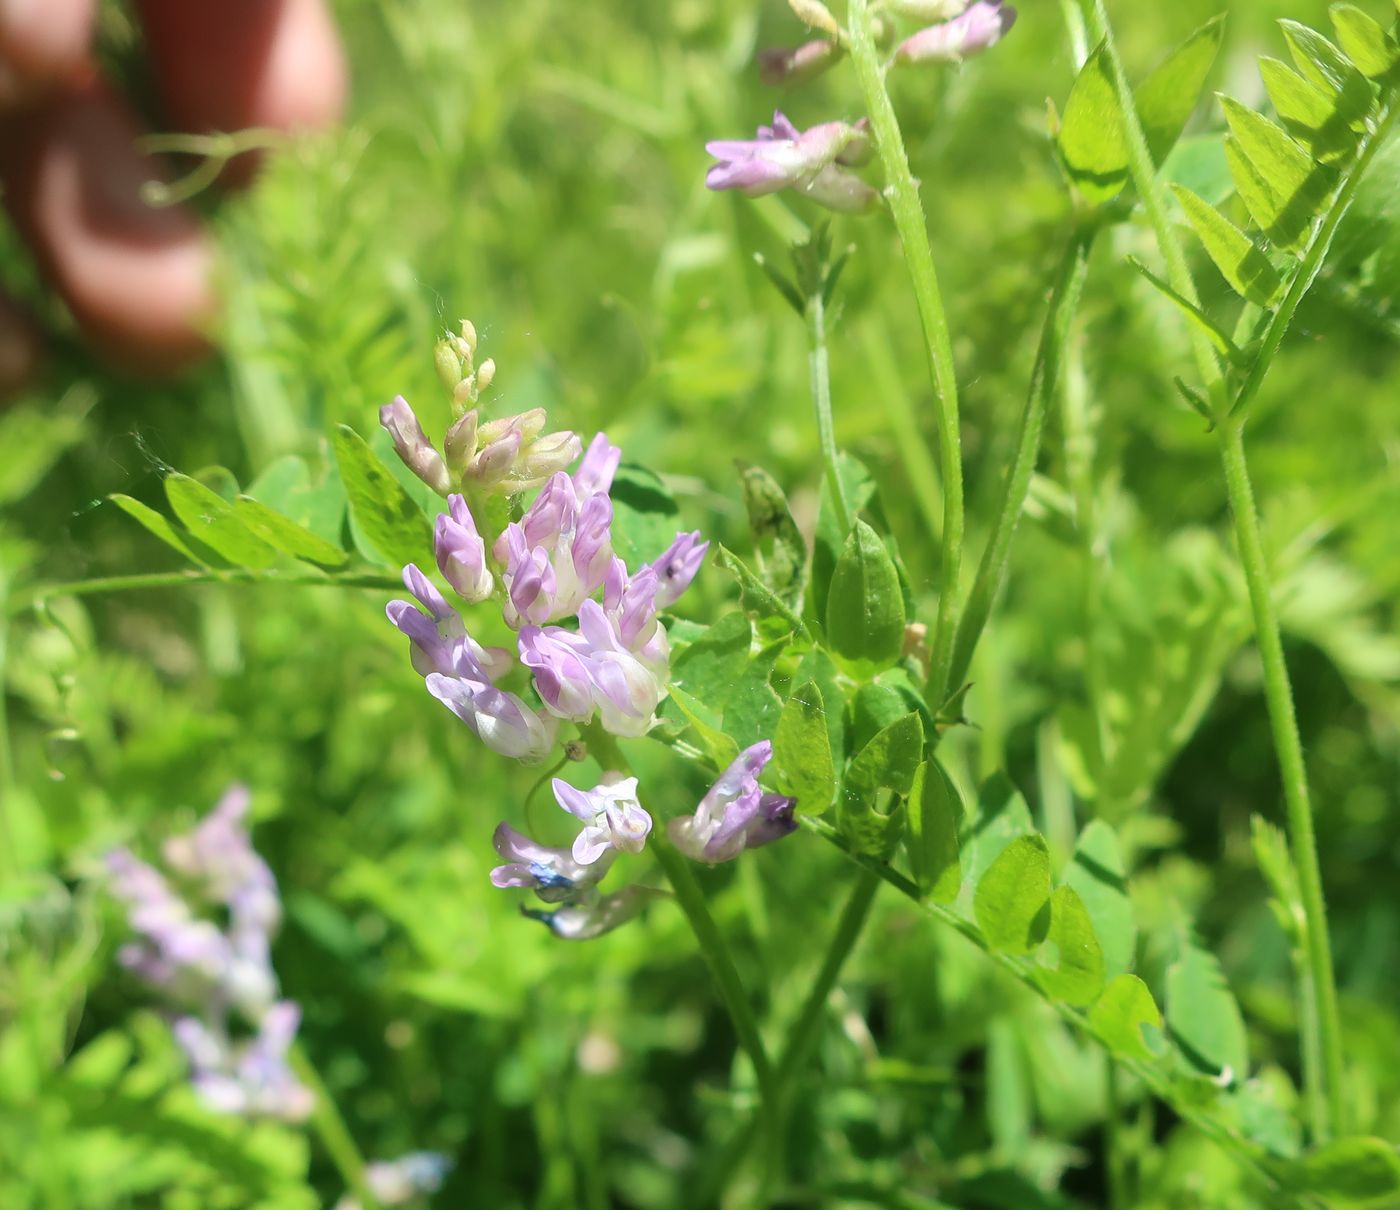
[
  {"x": 610, "y": 659},
  {"x": 588, "y": 636},
  {"x": 218, "y": 977},
  {"x": 816, "y": 163}
]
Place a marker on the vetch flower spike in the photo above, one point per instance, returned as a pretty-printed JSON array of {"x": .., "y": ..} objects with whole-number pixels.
[
  {"x": 612, "y": 817},
  {"x": 735, "y": 814},
  {"x": 249, "y": 1078},
  {"x": 783, "y": 157},
  {"x": 552, "y": 874},
  {"x": 677, "y": 567},
  {"x": 584, "y": 921},
  {"x": 977, "y": 29}
]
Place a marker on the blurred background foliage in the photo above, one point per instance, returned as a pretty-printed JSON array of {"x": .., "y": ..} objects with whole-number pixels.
[{"x": 538, "y": 167}]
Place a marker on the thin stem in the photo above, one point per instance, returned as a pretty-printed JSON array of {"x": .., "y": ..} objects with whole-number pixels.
[
  {"x": 908, "y": 214},
  {"x": 712, "y": 945},
  {"x": 1154, "y": 198},
  {"x": 1045, "y": 379},
  {"x": 1159, "y": 1083},
  {"x": 820, "y": 369},
  {"x": 330, "y": 1128},
  {"x": 848, "y": 930},
  {"x": 1313, "y": 257},
  {"x": 180, "y": 579},
  {"x": 1278, "y": 693}
]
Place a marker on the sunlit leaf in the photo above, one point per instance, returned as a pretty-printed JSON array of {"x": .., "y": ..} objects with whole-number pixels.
[
  {"x": 1364, "y": 41},
  {"x": 387, "y": 515},
  {"x": 936, "y": 813},
  {"x": 1091, "y": 143},
  {"x": 802, "y": 750},
  {"x": 286, "y": 535},
  {"x": 159, "y": 525},
  {"x": 1012, "y": 899},
  {"x": 865, "y": 606},
  {"x": 1203, "y": 1017},
  {"x": 1279, "y": 183},
  {"x": 1169, "y": 94},
  {"x": 1098, "y": 876},
  {"x": 1243, "y": 265},
  {"x": 1120, "y": 1013},
  {"x": 1078, "y": 973},
  {"x": 212, "y": 520}
]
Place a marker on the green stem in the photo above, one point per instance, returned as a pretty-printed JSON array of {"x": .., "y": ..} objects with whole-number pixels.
[
  {"x": 330, "y": 1128},
  {"x": 848, "y": 930},
  {"x": 1154, "y": 198},
  {"x": 1151, "y": 1075},
  {"x": 1289, "y": 747},
  {"x": 1312, "y": 260},
  {"x": 1113, "y": 1141},
  {"x": 820, "y": 370},
  {"x": 181, "y": 579},
  {"x": 712, "y": 945},
  {"x": 908, "y": 214},
  {"x": 1045, "y": 379}
]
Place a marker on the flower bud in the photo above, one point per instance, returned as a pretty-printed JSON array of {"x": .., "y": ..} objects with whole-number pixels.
[
  {"x": 979, "y": 28},
  {"x": 412, "y": 444},
  {"x": 485, "y": 373},
  {"x": 815, "y": 15},
  {"x": 460, "y": 551},
  {"x": 796, "y": 64}
]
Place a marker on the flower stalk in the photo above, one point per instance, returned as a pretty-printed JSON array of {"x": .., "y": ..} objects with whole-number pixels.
[{"x": 902, "y": 193}]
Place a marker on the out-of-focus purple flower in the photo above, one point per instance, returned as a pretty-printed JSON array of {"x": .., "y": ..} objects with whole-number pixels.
[
  {"x": 461, "y": 552},
  {"x": 504, "y": 723},
  {"x": 735, "y": 813},
  {"x": 552, "y": 874},
  {"x": 250, "y": 1078},
  {"x": 783, "y": 157},
  {"x": 980, "y": 27},
  {"x": 556, "y": 555},
  {"x": 398, "y": 1182},
  {"x": 594, "y": 917},
  {"x": 677, "y": 567},
  {"x": 595, "y": 473},
  {"x": 611, "y": 815},
  {"x": 412, "y": 445},
  {"x": 795, "y": 64}
]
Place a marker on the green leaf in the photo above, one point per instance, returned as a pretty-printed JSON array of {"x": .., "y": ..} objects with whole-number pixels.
[
  {"x": 1118, "y": 1017},
  {"x": 387, "y": 515},
  {"x": 158, "y": 524},
  {"x": 1212, "y": 331},
  {"x": 1167, "y": 97},
  {"x": 802, "y": 750},
  {"x": 719, "y": 747},
  {"x": 1363, "y": 40},
  {"x": 1090, "y": 141},
  {"x": 1203, "y": 1017},
  {"x": 877, "y": 704},
  {"x": 778, "y": 545},
  {"x": 1322, "y": 63},
  {"x": 1012, "y": 899},
  {"x": 865, "y": 607},
  {"x": 1243, "y": 265},
  {"x": 773, "y": 617},
  {"x": 1310, "y": 114},
  {"x": 286, "y": 535},
  {"x": 1001, "y": 816},
  {"x": 286, "y": 486},
  {"x": 211, "y": 519},
  {"x": 1277, "y": 180},
  {"x": 829, "y": 538},
  {"x": 1356, "y": 1171},
  {"x": 1078, "y": 975},
  {"x": 646, "y": 517},
  {"x": 1098, "y": 876},
  {"x": 935, "y": 815},
  {"x": 890, "y": 760}
]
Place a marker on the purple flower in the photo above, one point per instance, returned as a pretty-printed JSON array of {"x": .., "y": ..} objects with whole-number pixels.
[
  {"x": 503, "y": 722},
  {"x": 461, "y": 552},
  {"x": 627, "y": 688},
  {"x": 677, "y": 567},
  {"x": 556, "y": 555},
  {"x": 595, "y": 473},
  {"x": 509, "y": 455},
  {"x": 735, "y": 813},
  {"x": 782, "y": 157},
  {"x": 249, "y": 1078},
  {"x": 611, "y": 814},
  {"x": 980, "y": 27},
  {"x": 397, "y": 1182},
  {"x": 440, "y": 643},
  {"x": 559, "y": 660},
  {"x": 552, "y": 874},
  {"x": 594, "y": 917},
  {"x": 412, "y": 444},
  {"x": 794, "y": 64}
]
